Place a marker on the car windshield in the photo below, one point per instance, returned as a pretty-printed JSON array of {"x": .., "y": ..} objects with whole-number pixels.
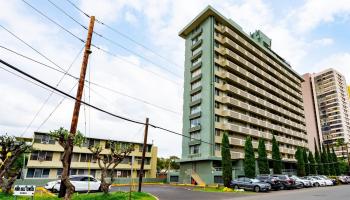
[{"x": 255, "y": 180}]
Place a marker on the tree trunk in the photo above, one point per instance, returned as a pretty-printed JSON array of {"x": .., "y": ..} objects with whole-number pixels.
[
  {"x": 68, "y": 190},
  {"x": 5, "y": 168},
  {"x": 104, "y": 185},
  {"x": 11, "y": 180}
]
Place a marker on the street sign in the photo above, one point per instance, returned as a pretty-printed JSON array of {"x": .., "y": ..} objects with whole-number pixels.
[{"x": 24, "y": 190}]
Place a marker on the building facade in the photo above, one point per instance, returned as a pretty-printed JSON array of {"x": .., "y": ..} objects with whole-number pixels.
[
  {"x": 312, "y": 117},
  {"x": 45, "y": 161},
  {"x": 333, "y": 105},
  {"x": 235, "y": 83}
]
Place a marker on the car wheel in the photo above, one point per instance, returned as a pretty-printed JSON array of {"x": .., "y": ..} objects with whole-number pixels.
[
  {"x": 282, "y": 187},
  {"x": 257, "y": 189},
  {"x": 235, "y": 187},
  {"x": 302, "y": 185},
  {"x": 54, "y": 190},
  {"x": 317, "y": 185}
]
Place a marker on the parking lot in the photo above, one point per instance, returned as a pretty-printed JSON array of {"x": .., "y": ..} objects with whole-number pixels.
[{"x": 168, "y": 192}]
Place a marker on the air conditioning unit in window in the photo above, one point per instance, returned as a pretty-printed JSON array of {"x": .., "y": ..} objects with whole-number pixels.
[
  {"x": 45, "y": 142},
  {"x": 41, "y": 159}
]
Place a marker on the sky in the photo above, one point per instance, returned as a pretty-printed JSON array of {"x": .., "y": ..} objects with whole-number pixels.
[{"x": 311, "y": 35}]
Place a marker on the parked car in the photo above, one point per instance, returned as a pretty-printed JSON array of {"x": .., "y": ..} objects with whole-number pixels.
[
  {"x": 301, "y": 182},
  {"x": 334, "y": 181},
  {"x": 250, "y": 184},
  {"x": 80, "y": 182},
  {"x": 328, "y": 181},
  {"x": 316, "y": 182},
  {"x": 344, "y": 179},
  {"x": 286, "y": 181},
  {"x": 273, "y": 181}
]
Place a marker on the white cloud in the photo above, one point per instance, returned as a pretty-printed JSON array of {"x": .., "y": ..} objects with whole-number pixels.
[
  {"x": 131, "y": 18},
  {"x": 324, "y": 42},
  {"x": 315, "y": 12}
]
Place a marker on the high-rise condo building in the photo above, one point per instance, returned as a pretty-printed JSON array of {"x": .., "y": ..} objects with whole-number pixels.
[
  {"x": 334, "y": 112},
  {"x": 235, "y": 83}
]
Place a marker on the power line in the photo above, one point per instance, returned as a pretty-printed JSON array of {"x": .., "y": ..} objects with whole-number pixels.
[
  {"x": 55, "y": 108},
  {"x": 125, "y": 60},
  {"x": 91, "y": 83},
  {"x": 114, "y": 42},
  {"x": 124, "y": 35},
  {"x": 53, "y": 21},
  {"x": 66, "y": 94},
  {"x": 65, "y": 13},
  {"x": 50, "y": 95},
  {"x": 97, "y": 47},
  {"x": 48, "y": 86}
]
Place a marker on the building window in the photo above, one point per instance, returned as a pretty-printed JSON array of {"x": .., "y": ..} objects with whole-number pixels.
[
  {"x": 195, "y": 85},
  {"x": 217, "y": 118},
  {"x": 195, "y": 122},
  {"x": 217, "y": 104},
  {"x": 196, "y": 51},
  {"x": 196, "y": 61},
  {"x": 84, "y": 157},
  {"x": 194, "y": 149},
  {"x": 217, "y": 79},
  {"x": 75, "y": 157},
  {"x": 59, "y": 172},
  {"x": 217, "y": 147},
  {"x": 195, "y": 109},
  {"x": 195, "y": 136},
  {"x": 217, "y": 92},
  {"x": 41, "y": 155},
  {"x": 217, "y": 132},
  {"x": 196, "y": 96},
  {"x": 196, "y": 72},
  {"x": 196, "y": 39},
  {"x": 38, "y": 173},
  {"x": 43, "y": 139}
]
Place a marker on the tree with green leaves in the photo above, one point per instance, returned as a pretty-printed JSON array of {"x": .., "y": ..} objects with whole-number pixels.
[
  {"x": 306, "y": 161},
  {"x": 226, "y": 161},
  {"x": 343, "y": 166},
  {"x": 249, "y": 158},
  {"x": 276, "y": 157},
  {"x": 324, "y": 160},
  {"x": 336, "y": 163},
  {"x": 11, "y": 176},
  {"x": 263, "y": 162},
  {"x": 116, "y": 153},
  {"x": 10, "y": 150},
  {"x": 312, "y": 163},
  {"x": 66, "y": 139},
  {"x": 319, "y": 165},
  {"x": 299, "y": 156},
  {"x": 331, "y": 163}
]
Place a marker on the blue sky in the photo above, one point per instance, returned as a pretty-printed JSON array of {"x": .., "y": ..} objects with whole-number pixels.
[{"x": 311, "y": 35}]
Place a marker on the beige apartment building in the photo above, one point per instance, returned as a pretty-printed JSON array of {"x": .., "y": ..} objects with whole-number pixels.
[
  {"x": 333, "y": 109},
  {"x": 235, "y": 83},
  {"x": 45, "y": 163}
]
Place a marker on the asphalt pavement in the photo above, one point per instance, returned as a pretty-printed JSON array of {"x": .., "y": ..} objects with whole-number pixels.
[{"x": 168, "y": 192}]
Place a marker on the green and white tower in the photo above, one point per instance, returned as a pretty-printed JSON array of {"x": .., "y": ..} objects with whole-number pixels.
[{"x": 235, "y": 83}]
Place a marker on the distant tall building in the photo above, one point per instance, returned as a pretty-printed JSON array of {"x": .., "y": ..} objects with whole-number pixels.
[
  {"x": 349, "y": 91},
  {"x": 312, "y": 117},
  {"x": 333, "y": 105},
  {"x": 235, "y": 83}
]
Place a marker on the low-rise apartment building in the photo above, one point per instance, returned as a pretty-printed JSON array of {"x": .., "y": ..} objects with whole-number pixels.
[{"x": 45, "y": 161}]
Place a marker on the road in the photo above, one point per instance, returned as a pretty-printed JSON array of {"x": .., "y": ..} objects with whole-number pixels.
[{"x": 166, "y": 192}]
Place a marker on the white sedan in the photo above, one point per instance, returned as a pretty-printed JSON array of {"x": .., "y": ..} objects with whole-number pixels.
[
  {"x": 328, "y": 181},
  {"x": 80, "y": 182},
  {"x": 316, "y": 181}
]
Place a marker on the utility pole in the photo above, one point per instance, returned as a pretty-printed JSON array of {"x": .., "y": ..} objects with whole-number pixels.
[
  {"x": 143, "y": 154},
  {"x": 68, "y": 149}
]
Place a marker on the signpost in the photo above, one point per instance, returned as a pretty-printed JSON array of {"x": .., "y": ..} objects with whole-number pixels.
[{"x": 24, "y": 190}]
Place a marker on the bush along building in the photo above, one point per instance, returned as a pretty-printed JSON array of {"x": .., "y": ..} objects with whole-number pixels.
[
  {"x": 235, "y": 84},
  {"x": 45, "y": 161}
]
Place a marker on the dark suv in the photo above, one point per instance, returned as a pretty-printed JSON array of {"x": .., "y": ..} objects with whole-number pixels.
[
  {"x": 286, "y": 181},
  {"x": 273, "y": 181}
]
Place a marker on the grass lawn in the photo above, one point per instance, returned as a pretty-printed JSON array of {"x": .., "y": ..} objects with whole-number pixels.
[{"x": 93, "y": 196}]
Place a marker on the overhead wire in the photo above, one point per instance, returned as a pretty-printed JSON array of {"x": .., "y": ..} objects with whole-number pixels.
[
  {"x": 90, "y": 82},
  {"x": 123, "y": 35},
  {"x": 114, "y": 43},
  {"x": 50, "y": 95}
]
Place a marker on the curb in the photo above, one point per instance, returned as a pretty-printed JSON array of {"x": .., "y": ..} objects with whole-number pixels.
[{"x": 153, "y": 196}]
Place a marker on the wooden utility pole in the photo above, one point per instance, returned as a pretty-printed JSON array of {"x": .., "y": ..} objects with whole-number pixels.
[
  {"x": 68, "y": 149},
  {"x": 143, "y": 155}
]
